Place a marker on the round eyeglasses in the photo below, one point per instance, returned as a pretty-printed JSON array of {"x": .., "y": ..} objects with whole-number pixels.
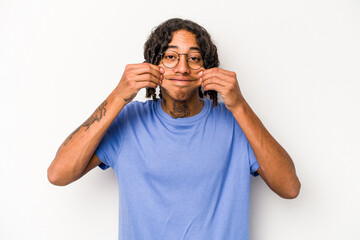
[{"x": 171, "y": 59}]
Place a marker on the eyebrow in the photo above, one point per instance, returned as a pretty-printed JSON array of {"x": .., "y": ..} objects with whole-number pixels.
[{"x": 191, "y": 48}]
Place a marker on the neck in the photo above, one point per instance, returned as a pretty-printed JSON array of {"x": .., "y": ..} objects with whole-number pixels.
[{"x": 182, "y": 109}]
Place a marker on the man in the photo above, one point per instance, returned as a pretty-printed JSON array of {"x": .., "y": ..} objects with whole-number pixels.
[{"x": 183, "y": 163}]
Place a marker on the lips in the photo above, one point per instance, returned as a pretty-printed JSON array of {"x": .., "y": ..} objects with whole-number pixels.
[{"x": 181, "y": 79}]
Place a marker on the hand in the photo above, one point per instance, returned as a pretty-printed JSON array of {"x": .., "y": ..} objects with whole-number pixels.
[
  {"x": 225, "y": 83},
  {"x": 137, "y": 76}
]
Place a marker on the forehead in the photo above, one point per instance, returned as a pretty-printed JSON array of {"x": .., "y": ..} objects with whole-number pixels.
[{"x": 183, "y": 41}]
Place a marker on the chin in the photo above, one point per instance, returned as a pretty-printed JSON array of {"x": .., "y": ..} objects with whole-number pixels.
[{"x": 181, "y": 94}]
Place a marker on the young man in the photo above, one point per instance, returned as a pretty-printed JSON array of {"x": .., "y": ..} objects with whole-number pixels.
[{"x": 183, "y": 163}]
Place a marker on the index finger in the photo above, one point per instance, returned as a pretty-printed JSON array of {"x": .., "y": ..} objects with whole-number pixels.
[
  {"x": 154, "y": 70},
  {"x": 215, "y": 71}
]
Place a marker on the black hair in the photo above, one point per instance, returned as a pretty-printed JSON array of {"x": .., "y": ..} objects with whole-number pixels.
[{"x": 160, "y": 38}]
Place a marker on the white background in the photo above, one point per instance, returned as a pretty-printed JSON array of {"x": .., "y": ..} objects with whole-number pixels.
[{"x": 298, "y": 65}]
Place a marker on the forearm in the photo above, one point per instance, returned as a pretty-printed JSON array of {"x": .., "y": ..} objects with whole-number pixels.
[
  {"x": 276, "y": 166},
  {"x": 74, "y": 154}
]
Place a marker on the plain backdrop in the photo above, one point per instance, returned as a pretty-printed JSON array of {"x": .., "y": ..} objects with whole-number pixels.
[{"x": 298, "y": 66}]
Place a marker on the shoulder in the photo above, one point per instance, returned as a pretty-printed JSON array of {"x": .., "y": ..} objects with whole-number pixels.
[
  {"x": 138, "y": 109},
  {"x": 221, "y": 111},
  {"x": 224, "y": 118},
  {"x": 139, "y": 106}
]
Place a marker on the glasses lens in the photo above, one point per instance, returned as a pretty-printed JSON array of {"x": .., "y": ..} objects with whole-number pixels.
[
  {"x": 170, "y": 59},
  {"x": 195, "y": 60}
]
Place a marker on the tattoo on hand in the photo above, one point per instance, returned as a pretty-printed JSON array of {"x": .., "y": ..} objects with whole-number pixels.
[
  {"x": 181, "y": 110},
  {"x": 95, "y": 117},
  {"x": 130, "y": 98}
]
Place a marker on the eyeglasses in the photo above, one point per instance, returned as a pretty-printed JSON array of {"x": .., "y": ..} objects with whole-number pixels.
[{"x": 171, "y": 59}]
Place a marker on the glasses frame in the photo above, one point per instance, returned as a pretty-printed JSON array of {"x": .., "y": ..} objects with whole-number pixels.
[{"x": 187, "y": 60}]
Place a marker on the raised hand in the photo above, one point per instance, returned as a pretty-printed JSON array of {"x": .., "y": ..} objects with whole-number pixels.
[
  {"x": 137, "y": 76},
  {"x": 225, "y": 83}
]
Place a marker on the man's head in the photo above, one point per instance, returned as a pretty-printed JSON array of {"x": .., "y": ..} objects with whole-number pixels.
[{"x": 162, "y": 35}]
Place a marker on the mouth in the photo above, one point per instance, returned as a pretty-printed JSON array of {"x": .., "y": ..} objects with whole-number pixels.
[{"x": 180, "y": 79}]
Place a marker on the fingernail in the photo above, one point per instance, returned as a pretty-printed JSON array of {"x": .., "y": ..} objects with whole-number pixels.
[
  {"x": 200, "y": 73},
  {"x": 162, "y": 70},
  {"x": 200, "y": 79},
  {"x": 161, "y": 77}
]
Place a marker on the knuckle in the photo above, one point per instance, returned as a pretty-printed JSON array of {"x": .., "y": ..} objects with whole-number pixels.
[
  {"x": 215, "y": 72},
  {"x": 148, "y": 66},
  {"x": 132, "y": 85},
  {"x": 127, "y": 78}
]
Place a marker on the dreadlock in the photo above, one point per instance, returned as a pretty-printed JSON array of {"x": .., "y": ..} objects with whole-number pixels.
[{"x": 160, "y": 38}]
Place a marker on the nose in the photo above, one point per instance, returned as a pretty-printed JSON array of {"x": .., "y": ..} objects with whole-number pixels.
[{"x": 182, "y": 66}]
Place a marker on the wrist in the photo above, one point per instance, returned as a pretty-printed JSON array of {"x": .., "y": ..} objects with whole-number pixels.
[
  {"x": 116, "y": 99},
  {"x": 240, "y": 108}
]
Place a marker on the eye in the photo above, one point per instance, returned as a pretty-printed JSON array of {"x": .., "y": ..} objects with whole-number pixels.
[
  {"x": 194, "y": 59},
  {"x": 170, "y": 56}
]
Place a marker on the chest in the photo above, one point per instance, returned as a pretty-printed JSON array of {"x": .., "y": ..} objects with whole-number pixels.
[{"x": 178, "y": 156}]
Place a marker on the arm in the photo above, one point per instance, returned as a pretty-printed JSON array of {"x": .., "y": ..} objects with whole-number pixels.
[
  {"x": 75, "y": 156},
  {"x": 276, "y": 167}
]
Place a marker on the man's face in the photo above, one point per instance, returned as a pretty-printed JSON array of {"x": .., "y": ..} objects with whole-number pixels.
[{"x": 181, "y": 82}]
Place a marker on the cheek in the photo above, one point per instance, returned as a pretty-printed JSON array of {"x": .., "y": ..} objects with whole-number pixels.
[{"x": 168, "y": 72}]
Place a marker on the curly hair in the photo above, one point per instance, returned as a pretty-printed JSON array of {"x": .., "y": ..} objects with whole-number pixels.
[{"x": 160, "y": 38}]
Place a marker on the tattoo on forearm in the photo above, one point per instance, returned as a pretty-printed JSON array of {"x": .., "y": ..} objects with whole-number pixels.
[
  {"x": 181, "y": 110},
  {"x": 130, "y": 98},
  {"x": 95, "y": 117}
]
